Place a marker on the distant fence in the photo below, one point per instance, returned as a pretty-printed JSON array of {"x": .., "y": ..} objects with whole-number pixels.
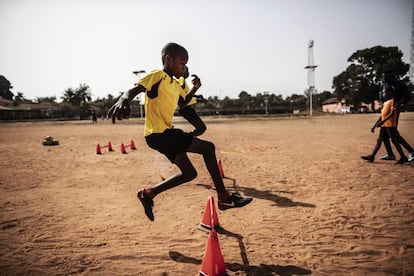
[
  {"x": 239, "y": 111},
  {"x": 20, "y": 115}
]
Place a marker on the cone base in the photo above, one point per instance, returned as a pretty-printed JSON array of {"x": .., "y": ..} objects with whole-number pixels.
[
  {"x": 207, "y": 228},
  {"x": 203, "y": 274}
]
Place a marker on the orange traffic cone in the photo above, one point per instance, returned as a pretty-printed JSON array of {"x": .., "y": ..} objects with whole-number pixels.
[
  {"x": 220, "y": 168},
  {"x": 133, "y": 145},
  {"x": 213, "y": 186},
  {"x": 210, "y": 216},
  {"x": 213, "y": 261},
  {"x": 98, "y": 149},
  {"x": 110, "y": 146},
  {"x": 123, "y": 150}
]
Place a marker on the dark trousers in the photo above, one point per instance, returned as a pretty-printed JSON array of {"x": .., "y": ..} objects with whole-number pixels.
[
  {"x": 383, "y": 137},
  {"x": 387, "y": 134}
]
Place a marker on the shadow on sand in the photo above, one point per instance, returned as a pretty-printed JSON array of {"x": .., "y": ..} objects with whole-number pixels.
[
  {"x": 266, "y": 195},
  {"x": 262, "y": 269}
]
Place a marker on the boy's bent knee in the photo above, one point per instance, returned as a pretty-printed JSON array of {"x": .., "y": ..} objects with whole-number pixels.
[
  {"x": 202, "y": 129},
  {"x": 210, "y": 146},
  {"x": 189, "y": 175}
]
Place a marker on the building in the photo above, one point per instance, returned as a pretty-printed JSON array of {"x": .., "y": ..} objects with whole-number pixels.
[{"x": 333, "y": 105}]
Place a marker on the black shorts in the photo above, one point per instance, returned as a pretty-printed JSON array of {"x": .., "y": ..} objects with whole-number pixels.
[{"x": 170, "y": 142}]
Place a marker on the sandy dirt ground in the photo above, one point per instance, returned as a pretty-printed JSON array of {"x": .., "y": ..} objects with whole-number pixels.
[{"x": 318, "y": 209}]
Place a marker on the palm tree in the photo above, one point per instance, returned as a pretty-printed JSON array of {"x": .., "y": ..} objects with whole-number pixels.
[
  {"x": 83, "y": 94},
  {"x": 77, "y": 97},
  {"x": 68, "y": 95}
]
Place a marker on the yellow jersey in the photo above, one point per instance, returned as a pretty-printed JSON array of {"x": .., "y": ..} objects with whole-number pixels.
[{"x": 161, "y": 98}]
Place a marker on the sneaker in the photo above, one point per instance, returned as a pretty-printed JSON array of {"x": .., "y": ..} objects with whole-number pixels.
[
  {"x": 147, "y": 202},
  {"x": 234, "y": 201},
  {"x": 388, "y": 157},
  {"x": 369, "y": 158},
  {"x": 411, "y": 156},
  {"x": 402, "y": 160}
]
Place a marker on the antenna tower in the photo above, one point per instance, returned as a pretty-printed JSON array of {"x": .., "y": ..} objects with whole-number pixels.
[{"x": 311, "y": 75}]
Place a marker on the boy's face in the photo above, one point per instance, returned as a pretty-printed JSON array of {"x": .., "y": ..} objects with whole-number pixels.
[
  {"x": 186, "y": 73},
  {"x": 176, "y": 66}
]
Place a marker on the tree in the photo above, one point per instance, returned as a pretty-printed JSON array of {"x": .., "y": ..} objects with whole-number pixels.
[
  {"x": 19, "y": 99},
  {"x": 323, "y": 96},
  {"x": 68, "y": 95},
  {"x": 273, "y": 99},
  {"x": 228, "y": 103},
  {"x": 105, "y": 103},
  {"x": 83, "y": 95},
  {"x": 46, "y": 99},
  {"x": 360, "y": 80},
  {"x": 5, "y": 87},
  {"x": 346, "y": 84},
  {"x": 378, "y": 59},
  {"x": 77, "y": 97},
  {"x": 297, "y": 101},
  {"x": 245, "y": 100}
]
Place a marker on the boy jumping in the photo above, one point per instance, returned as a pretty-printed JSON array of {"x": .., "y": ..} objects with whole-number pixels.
[{"x": 162, "y": 92}]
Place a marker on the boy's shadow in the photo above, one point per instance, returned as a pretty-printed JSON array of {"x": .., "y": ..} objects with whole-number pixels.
[
  {"x": 267, "y": 195},
  {"x": 263, "y": 269}
]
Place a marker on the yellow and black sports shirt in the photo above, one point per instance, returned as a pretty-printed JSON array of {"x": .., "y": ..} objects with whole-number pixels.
[{"x": 161, "y": 98}]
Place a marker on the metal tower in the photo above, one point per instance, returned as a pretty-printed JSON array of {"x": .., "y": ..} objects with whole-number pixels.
[
  {"x": 311, "y": 75},
  {"x": 412, "y": 49}
]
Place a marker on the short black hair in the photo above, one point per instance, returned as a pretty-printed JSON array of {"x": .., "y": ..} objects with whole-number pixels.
[
  {"x": 389, "y": 88},
  {"x": 173, "y": 50}
]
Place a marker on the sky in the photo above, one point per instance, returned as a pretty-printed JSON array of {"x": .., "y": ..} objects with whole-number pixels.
[{"x": 48, "y": 46}]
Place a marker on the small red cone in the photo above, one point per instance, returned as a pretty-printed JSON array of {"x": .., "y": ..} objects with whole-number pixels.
[
  {"x": 213, "y": 186},
  {"x": 110, "y": 146},
  {"x": 213, "y": 261},
  {"x": 98, "y": 149},
  {"x": 133, "y": 145},
  {"x": 123, "y": 150},
  {"x": 220, "y": 168},
  {"x": 209, "y": 211}
]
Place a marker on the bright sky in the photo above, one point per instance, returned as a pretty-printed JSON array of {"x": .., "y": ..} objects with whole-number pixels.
[{"x": 48, "y": 46}]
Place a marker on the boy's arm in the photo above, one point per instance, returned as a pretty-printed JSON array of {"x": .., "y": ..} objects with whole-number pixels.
[
  {"x": 121, "y": 109},
  {"x": 196, "y": 85},
  {"x": 376, "y": 125},
  {"x": 200, "y": 98}
]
